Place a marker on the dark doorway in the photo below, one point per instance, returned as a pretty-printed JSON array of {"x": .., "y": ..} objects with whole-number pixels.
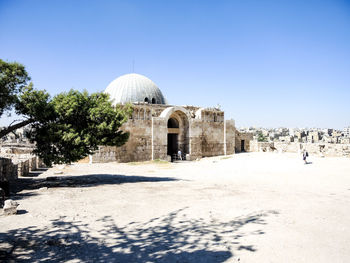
[
  {"x": 173, "y": 123},
  {"x": 242, "y": 146},
  {"x": 172, "y": 143}
]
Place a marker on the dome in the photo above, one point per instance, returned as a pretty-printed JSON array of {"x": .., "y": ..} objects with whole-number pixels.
[{"x": 134, "y": 88}]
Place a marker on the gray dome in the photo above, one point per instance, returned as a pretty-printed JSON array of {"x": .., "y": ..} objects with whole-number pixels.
[{"x": 134, "y": 88}]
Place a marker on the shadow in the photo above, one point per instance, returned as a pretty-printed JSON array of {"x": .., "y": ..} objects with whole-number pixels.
[
  {"x": 33, "y": 174},
  {"x": 308, "y": 163},
  {"x": 78, "y": 181},
  {"x": 171, "y": 238},
  {"x": 21, "y": 212},
  {"x": 42, "y": 169},
  {"x": 19, "y": 196},
  {"x": 36, "y": 173}
]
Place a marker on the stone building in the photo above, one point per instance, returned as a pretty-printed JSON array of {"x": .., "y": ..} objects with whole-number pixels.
[
  {"x": 158, "y": 130},
  {"x": 313, "y": 136}
]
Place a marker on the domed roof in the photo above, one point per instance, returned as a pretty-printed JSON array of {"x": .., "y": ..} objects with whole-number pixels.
[{"x": 134, "y": 88}]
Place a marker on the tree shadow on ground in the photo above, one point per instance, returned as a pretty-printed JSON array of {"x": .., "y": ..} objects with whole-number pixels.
[
  {"x": 90, "y": 180},
  {"x": 171, "y": 238},
  {"x": 30, "y": 185}
]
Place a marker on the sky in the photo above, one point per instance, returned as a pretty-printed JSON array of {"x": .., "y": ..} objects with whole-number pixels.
[{"x": 266, "y": 63}]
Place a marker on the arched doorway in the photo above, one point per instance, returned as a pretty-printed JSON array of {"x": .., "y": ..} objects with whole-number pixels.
[
  {"x": 173, "y": 134},
  {"x": 178, "y": 133},
  {"x": 177, "y": 124}
]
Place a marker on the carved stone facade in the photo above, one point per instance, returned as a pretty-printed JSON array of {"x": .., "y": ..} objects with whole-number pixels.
[{"x": 158, "y": 131}]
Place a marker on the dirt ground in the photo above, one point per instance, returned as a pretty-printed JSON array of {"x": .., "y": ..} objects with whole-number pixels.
[{"x": 251, "y": 207}]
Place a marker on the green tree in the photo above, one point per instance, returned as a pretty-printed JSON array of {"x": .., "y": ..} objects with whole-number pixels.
[
  {"x": 78, "y": 125},
  {"x": 261, "y": 137},
  {"x": 13, "y": 78},
  {"x": 67, "y": 127}
]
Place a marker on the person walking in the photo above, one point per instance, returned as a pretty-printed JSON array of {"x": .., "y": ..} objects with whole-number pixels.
[
  {"x": 305, "y": 155},
  {"x": 179, "y": 155}
]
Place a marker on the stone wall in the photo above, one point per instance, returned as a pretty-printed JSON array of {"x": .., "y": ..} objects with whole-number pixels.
[
  {"x": 23, "y": 168},
  {"x": 230, "y": 137},
  {"x": 9, "y": 148},
  {"x": 212, "y": 138},
  {"x": 8, "y": 170},
  {"x": 318, "y": 149},
  {"x": 138, "y": 147},
  {"x": 196, "y": 139},
  {"x": 18, "y": 165},
  {"x": 160, "y": 139},
  {"x": 246, "y": 137},
  {"x": 201, "y": 133}
]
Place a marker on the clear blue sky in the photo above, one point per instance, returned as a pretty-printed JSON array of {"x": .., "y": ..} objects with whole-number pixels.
[{"x": 267, "y": 63}]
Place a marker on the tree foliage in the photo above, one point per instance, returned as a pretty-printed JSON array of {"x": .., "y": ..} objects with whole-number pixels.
[
  {"x": 67, "y": 127},
  {"x": 261, "y": 137},
  {"x": 13, "y": 78},
  {"x": 79, "y": 122}
]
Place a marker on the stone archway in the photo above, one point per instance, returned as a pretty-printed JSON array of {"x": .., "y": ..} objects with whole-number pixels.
[{"x": 177, "y": 119}]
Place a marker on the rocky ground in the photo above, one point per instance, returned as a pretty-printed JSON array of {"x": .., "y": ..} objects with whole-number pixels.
[{"x": 252, "y": 207}]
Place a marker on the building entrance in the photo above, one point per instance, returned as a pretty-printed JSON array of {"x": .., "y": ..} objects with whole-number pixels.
[
  {"x": 172, "y": 143},
  {"x": 178, "y": 133},
  {"x": 242, "y": 145}
]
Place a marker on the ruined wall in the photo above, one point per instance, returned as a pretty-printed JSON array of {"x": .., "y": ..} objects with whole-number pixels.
[
  {"x": 247, "y": 137},
  {"x": 256, "y": 146},
  {"x": 195, "y": 139},
  {"x": 317, "y": 149},
  {"x": 23, "y": 168},
  {"x": 230, "y": 137},
  {"x": 18, "y": 165},
  {"x": 10, "y": 148},
  {"x": 137, "y": 148},
  {"x": 8, "y": 170},
  {"x": 160, "y": 139},
  {"x": 212, "y": 138}
]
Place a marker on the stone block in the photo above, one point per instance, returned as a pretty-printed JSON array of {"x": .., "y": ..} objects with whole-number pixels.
[{"x": 10, "y": 207}]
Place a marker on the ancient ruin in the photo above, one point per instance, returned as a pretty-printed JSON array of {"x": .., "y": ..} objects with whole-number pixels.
[{"x": 159, "y": 131}]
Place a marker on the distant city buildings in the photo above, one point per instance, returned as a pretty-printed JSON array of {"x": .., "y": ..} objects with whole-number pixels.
[
  {"x": 303, "y": 135},
  {"x": 346, "y": 132}
]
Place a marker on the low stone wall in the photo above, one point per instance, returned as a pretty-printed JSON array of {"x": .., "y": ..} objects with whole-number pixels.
[
  {"x": 16, "y": 148},
  {"x": 12, "y": 168},
  {"x": 320, "y": 149},
  {"x": 8, "y": 170},
  {"x": 23, "y": 168}
]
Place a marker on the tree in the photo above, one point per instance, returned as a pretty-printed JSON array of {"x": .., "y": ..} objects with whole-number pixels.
[
  {"x": 77, "y": 125},
  {"x": 67, "y": 127},
  {"x": 261, "y": 137},
  {"x": 13, "y": 78}
]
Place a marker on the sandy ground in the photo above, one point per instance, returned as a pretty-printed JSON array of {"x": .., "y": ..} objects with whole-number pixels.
[{"x": 252, "y": 207}]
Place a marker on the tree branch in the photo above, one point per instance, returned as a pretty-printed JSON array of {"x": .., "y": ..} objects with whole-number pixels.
[{"x": 14, "y": 127}]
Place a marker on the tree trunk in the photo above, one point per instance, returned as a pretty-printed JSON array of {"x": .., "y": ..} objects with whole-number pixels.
[{"x": 11, "y": 128}]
